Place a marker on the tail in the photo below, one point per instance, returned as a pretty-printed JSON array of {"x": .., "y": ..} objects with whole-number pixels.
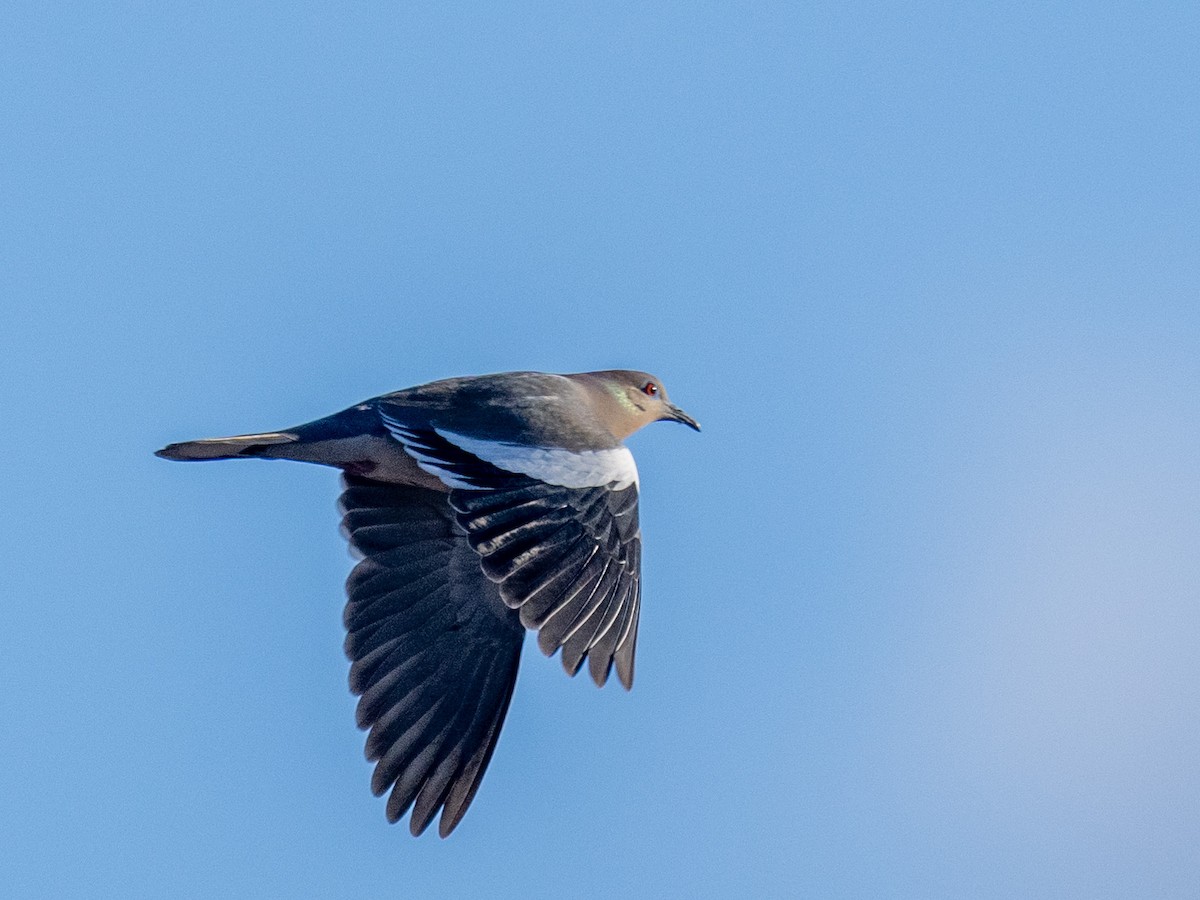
[{"x": 227, "y": 447}]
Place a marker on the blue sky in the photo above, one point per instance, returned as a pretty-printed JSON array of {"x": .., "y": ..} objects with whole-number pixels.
[{"x": 922, "y": 602}]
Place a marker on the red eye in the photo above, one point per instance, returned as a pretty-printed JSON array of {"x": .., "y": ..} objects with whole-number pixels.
[{"x": 650, "y": 388}]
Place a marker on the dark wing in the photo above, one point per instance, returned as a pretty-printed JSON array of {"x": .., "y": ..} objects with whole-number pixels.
[
  {"x": 568, "y": 558},
  {"x": 434, "y": 650}
]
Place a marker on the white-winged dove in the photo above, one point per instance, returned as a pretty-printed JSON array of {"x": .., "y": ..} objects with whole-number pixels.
[{"x": 480, "y": 507}]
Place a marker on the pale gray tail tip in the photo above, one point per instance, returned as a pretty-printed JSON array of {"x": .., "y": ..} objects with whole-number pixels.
[{"x": 223, "y": 448}]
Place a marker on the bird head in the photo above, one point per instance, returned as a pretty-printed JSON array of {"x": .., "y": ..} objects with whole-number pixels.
[{"x": 633, "y": 400}]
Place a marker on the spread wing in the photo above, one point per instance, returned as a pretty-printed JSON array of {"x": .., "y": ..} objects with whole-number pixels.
[
  {"x": 557, "y": 530},
  {"x": 434, "y": 650},
  {"x": 568, "y": 560}
]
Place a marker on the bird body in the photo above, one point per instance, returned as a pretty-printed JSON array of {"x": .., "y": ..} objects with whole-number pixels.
[{"x": 480, "y": 506}]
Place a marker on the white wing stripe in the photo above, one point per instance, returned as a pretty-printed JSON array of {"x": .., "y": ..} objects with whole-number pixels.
[
  {"x": 588, "y": 468},
  {"x": 554, "y": 465}
]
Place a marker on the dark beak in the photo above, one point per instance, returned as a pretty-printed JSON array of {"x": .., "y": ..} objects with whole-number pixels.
[{"x": 678, "y": 415}]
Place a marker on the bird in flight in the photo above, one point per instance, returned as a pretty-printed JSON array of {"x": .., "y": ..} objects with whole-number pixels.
[{"x": 479, "y": 507}]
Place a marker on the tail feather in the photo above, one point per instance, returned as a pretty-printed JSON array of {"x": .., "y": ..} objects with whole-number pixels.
[{"x": 226, "y": 447}]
